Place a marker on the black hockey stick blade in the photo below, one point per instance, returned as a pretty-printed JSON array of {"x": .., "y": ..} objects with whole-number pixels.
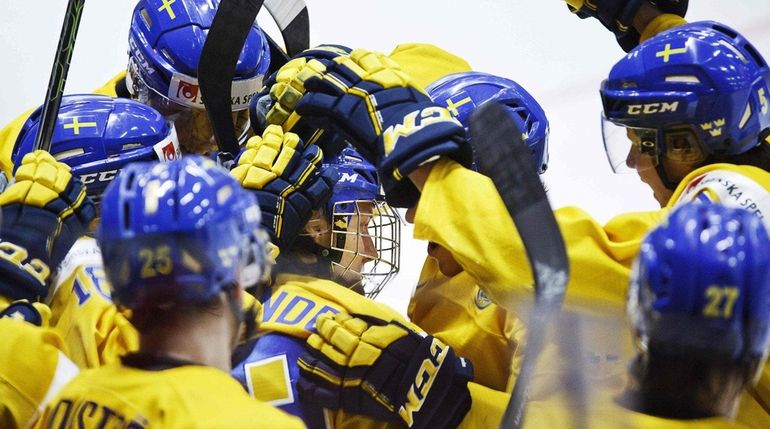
[
  {"x": 504, "y": 157},
  {"x": 223, "y": 46},
  {"x": 293, "y": 21},
  {"x": 58, "y": 79},
  {"x": 278, "y": 57},
  {"x": 216, "y": 68}
]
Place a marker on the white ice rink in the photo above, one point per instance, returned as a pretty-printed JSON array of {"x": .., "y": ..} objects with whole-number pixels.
[{"x": 560, "y": 59}]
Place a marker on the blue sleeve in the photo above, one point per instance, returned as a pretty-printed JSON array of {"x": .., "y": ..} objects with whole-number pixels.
[{"x": 267, "y": 369}]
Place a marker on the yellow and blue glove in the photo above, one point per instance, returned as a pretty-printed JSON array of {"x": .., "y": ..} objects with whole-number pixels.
[
  {"x": 43, "y": 213},
  {"x": 392, "y": 123},
  {"x": 386, "y": 371},
  {"x": 618, "y": 15},
  {"x": 284, "y": 175},
  {"x": 276, "y": 103}
]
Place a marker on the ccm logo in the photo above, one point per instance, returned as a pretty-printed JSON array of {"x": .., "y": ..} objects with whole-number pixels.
[
  {"x": 646, "y": 109},
  {"x": 102, "y": 176}
]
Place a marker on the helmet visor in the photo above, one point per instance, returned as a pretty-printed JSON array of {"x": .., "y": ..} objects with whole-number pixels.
[{"x": 629, "y": 149}]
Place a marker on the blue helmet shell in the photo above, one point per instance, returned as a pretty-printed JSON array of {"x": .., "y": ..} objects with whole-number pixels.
[
  {"x": 704, "y": 75},
  {"x": 355, "y": 178},
  {"x": 97, "y": 136},
  {"x": 462, "y": 93},
  {"x": 165, "y": 44},
  {"x": 178, "y": 232},
  {"x": 701, "y": 283}
]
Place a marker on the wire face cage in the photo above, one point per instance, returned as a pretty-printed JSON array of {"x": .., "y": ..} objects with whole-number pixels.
[{"x": 365, "y": 239}]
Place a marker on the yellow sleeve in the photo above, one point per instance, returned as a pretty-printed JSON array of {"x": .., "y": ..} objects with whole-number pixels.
[
  {"x": 33, "y": 368},
  {"x": 8, "y": 139},
  {"x": 461, "y": 210},
  {"x": 661, "y": 23},
  {"x": 9, "y": 133},
  {"x": 455, "y": 310},
  {"x": 427, "y": 63},
  {"x": 95, "y": 332},
  {"x": 487, "y": 407},
  {"x": 109, "y": 87}
]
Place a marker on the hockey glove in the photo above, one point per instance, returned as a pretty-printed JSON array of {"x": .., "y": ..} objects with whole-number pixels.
[
  {"x": 618, "y": 15},
  {"x": 386, "y": 117},
  {"x": 283, "y": 173},
  {"x": 43, "y": 213},
  {"x": 386, "y": 371},
  {"x": 35, "y": 313},
  {"x": 275, "y": 104}
]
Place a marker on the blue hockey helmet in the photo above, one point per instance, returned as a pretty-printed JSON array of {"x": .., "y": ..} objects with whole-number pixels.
[
  {"x": 462, "y": 93},
  {"x": 687, "y": 93},
  {"x": 165, "y": 44},
  {"x": 179, "y": 232},
  {"x": 701, "y": 284},
  {"x": 97, "y": 136},
  {"x": 365, "y": 232}
]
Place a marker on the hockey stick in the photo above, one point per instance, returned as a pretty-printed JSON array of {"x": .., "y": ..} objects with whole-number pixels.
[
  {"x": 503, "y": 156},
  {"x": 223, "y": 46},
  {"x": 58, "y": 79},
  {"x": 293, "y": 21}
]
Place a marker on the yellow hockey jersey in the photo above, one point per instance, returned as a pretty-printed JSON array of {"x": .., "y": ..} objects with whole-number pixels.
[
  {"x": 459, "y": 313},
  {"x": 292, "y": 309},
  {"x": 95, "y": 332},
  {"x": 486, "y": 244},
  {"x": 188, "y": 396},
  {"x": 606, "y": 413},
  {"x": 33, "y": 368}
]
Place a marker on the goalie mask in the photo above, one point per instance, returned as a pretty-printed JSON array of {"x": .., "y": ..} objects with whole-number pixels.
[{"x": 358, "y": 233}]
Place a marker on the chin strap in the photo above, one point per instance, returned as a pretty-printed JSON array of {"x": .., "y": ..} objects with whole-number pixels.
[{"x": 664, "y": 177}]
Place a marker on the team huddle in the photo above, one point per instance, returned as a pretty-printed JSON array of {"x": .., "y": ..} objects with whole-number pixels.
[{"x": 145, "y": 283}]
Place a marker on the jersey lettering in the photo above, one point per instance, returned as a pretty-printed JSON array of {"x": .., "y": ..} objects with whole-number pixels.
[
  {"x": 297, "y": 311},
  {"x": 90, "y": 415},
  {"x": 728, "y": 188},
  {"x": 81, "y": 283}
]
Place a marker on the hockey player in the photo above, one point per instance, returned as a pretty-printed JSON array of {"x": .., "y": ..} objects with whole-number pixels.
[
  {"x": 180, "y": 242},
  {"x": 41, "y": 215},
  {"x": 448, "y": 302},
  {"x": 96, "y": 136},
  {"x": 710, "y": 142},
  {"x": 165, "y": 42},
  {"x": 600, "y": 256},
  {"x": 394, "y": 97},
  {"x": 332, "y": 224},
  {"x": 698, "y": 304}
]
